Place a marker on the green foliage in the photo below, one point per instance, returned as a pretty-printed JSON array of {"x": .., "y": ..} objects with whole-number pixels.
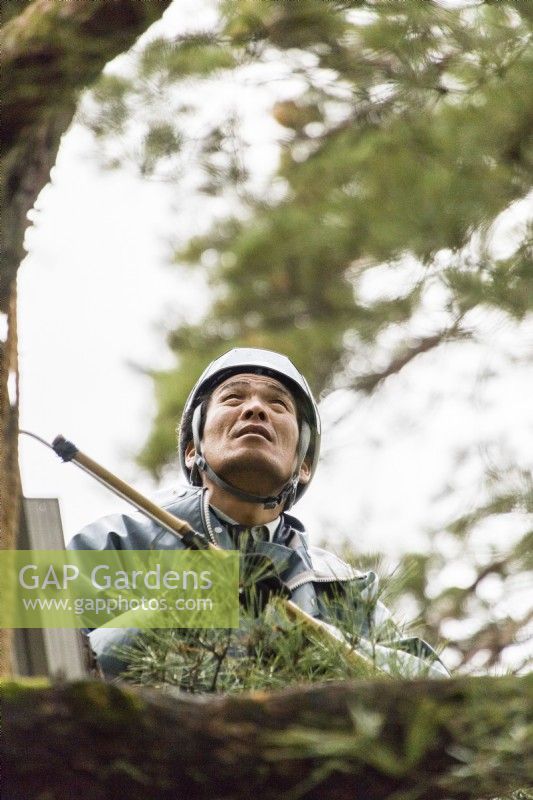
[
  {"x": 161, "y": 141},
  {"x": 110, "y": 95},
  {"x": 190, "y": 55},
  {"x": 271, "y": 649},
  {"x": 259, "y": 656},
  {"x": 266, "y": 652}
]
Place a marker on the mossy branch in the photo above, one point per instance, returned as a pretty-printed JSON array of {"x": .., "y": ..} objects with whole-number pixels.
[
  {"x": 56, "y": 47},
  {"x": 465, "y": 738},
  {"x": 50, "y": 51}
]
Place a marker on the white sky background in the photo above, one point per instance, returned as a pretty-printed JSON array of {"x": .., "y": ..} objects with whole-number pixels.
[{"x": 93, "y": 292}]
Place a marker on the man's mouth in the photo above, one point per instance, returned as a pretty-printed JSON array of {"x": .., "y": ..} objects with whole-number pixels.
[{"x": 258, "y": 430}]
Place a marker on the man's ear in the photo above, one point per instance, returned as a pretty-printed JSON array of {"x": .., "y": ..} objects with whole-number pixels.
[
  {"x": 190, "y": 455},
  {"x": 305, "y": 473}
]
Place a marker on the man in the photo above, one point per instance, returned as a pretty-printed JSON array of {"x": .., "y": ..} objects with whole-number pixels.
[{"x": 249, "y": 443}]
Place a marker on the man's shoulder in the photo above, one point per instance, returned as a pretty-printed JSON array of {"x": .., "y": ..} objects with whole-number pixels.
[
  {"x": 134, "y": 530},
  {"x": 329, "y": 566},
  {"x": 176, "y": 496}
]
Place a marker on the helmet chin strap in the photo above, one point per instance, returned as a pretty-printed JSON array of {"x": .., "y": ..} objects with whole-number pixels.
[{"x": 287, "y": 494}]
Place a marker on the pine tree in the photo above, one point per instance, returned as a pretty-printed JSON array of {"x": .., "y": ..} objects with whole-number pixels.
[{"x": 406, "y": 139}]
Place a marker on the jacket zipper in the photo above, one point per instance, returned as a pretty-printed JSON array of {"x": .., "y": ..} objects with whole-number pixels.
[
  {"x": 309, "y": 577},
  {"x": 207, "y": 519},
  {"x": 306, "y": 577}
]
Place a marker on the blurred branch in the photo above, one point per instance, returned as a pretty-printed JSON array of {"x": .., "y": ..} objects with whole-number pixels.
[
  {"x": 369, "y": 381},
  {"x": 463, "y": 738},
  {"x": 497, "y": 567},
  {"x": 494, "y": 638}
]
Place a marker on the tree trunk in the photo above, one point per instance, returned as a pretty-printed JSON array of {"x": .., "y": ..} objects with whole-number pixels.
[
  {"x": 50, "y": 50},
  {"x": 9, "y": 471},
  {"x": 459, "y": 739}
]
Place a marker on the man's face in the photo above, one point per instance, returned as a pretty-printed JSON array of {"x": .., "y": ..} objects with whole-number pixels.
[{"x": 250, "y": 436}]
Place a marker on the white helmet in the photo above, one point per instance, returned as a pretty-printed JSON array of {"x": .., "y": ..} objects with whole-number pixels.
[{"x": 258, "y": 362}]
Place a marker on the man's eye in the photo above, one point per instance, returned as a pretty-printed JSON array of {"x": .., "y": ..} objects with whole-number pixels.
[
  {"x": 279, "y": 402},
  {"x": 231, "y": 397}
]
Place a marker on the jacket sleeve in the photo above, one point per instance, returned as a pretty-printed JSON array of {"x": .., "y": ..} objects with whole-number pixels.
[
  {"x": 406, "y": 656},
  {"x": 116, "y": 532},
  {"x": 352, "y": 603}
]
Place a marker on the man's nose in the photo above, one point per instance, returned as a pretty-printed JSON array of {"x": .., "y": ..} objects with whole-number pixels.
[{"x": 254, "y": 408}]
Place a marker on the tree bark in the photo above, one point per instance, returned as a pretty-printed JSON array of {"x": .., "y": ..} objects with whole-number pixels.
[
  {"x": 10, "y": 490},
  {"x": 50, "y": 50},
  {"x": 459, "y": 739}
]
